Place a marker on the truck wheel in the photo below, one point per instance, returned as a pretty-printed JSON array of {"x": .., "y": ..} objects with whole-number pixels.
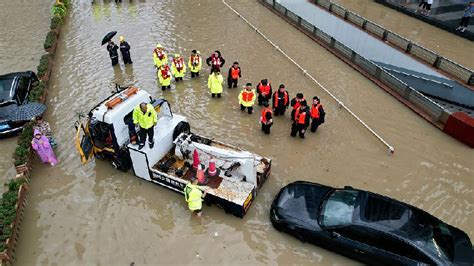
[{"x": 180, "y": 128}]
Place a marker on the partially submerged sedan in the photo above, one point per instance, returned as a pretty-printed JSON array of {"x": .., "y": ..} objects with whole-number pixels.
[
  {"x": 14, "y": 91},
  {"x": 367, "y": 227}
]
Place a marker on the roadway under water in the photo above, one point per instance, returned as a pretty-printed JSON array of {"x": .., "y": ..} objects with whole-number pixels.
[{"x": 94, "y": 214}]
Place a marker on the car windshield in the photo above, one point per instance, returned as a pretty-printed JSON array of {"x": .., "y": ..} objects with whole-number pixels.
[
  {"x": 436, "y": 239},
  {"x": 338, "y": 208},
  {"x": 5, "y": 87}
]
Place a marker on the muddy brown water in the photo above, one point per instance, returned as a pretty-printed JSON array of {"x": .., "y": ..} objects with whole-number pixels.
[{"x": 92, "y": 214}]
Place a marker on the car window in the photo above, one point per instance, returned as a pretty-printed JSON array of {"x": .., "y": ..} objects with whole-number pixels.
[
  {"x": 338, "y": 209},
  {"x": 5, "y": 87},
  {"x": 22, "y": 90}
]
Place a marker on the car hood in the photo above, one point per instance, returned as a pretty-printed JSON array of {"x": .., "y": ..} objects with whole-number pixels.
[{"x": 300, "y": 201}]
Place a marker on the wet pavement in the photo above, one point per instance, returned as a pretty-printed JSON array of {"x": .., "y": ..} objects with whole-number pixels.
[{"x": 93, "y": 214}]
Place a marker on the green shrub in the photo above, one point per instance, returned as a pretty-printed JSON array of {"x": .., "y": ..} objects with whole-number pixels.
[
  {"x": 22, "y": 151},
  {"x": 58, "y": 10},
  {"x": 37, "y": 91},
  {"x": 56, "y": 22},
  {"x": 50, "y": 39},
  {"x": 67, "y": 3},
  {"x": 43, "y": 65},
  {"x": 8, "y": 210}
]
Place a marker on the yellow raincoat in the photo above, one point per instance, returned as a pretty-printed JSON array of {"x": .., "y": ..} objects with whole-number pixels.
[
  {"x": 195, "y": 63},
  {"x": 145, "y": 120},
  {"x": 178, "y": 62},
  {"x": 214, "y": 83},
  {"x": 164, "y": 75},
  {"x": 157, "y": 61}
]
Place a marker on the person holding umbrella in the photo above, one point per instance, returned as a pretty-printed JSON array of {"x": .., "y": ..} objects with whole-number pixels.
[
  {"x": 125, "y": 51},
  {"x": 111, "y": 47},
  {"x": 113, "y": 52}
]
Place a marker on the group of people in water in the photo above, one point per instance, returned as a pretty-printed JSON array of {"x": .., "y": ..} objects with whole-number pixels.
[{"x": 303, "y": 115}]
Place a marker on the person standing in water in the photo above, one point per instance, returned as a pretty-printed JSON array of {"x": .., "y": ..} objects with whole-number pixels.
[
  {"x": 125, "y": 51},
  {"x": 214, "y": 83},
  {"x": 41, "y": 145},
  {"x": 195, "y": 63},
  {"x": 112, "y": 48}
]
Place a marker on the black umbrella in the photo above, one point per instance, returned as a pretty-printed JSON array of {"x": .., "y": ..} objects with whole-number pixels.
[
  {"x": 108, "y": 37},
  {"x": 27, "y": 111}
]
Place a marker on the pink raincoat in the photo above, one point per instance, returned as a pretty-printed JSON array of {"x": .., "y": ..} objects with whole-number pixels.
[{"x": 43, "y": 148}]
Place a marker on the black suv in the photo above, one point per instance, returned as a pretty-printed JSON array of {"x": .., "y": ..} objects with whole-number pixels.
[
  {"x": 368, "y": 227},
  {"x": 14, "y": 90}
]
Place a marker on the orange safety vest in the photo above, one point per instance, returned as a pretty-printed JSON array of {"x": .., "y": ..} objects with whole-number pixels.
[
  {"x": 215, "y": 61},
  {"x": 195, "y": 60},
  {"x": 263, "y": 119},
  {"x": 300, "y": 117},
  {"x": 235, "y": 73},
  {"x": 297, "y": 104},
  {"x": 247, "y": 96},
  {"x": 276, "y": 99},
  {"x": 165, "y": 72},
  {"x": 159, "y": 53},
  {"x": 315, "y": 111},
  {"x": 265, "y": 90},
  {"x": 179, "y": 63}
]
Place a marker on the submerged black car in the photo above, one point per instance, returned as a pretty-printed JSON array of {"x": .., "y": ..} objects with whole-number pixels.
[
  {"x": 14, "y": 90},
  {"x": 367, "y": 227}
]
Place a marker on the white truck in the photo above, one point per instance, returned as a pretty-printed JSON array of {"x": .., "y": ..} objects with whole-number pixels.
[{"x": 107, "y": 132}]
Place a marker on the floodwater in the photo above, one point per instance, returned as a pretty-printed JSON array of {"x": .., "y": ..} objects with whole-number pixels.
[
  {"x": 92, "y": 214},
  {"x": 21, "y": 46},
  {"x": 459, "y": 50}
]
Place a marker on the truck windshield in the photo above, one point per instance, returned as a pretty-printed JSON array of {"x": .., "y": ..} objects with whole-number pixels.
[{"x": 338, "y": 208}]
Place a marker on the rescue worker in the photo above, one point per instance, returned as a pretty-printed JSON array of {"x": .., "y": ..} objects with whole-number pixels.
[
  {"x": 247, "y": 98},
  {"x": 317, "y": 114},
  {"x": 195, "y": 63},
  {"x": 159, "y": 56},
  {"x": 125, "y": 51},
  {"x": 144, "y": 116},
  {"x": 301, "y": 120},
  {"x": 267, "y": 118},
  {"x": 178, "y": 67},
  {"x": 264, "y": 90},
  {"x": 214, "y": 83},
  {"x": 112, "y": 48},
  {"x": 281, "y": 100},
  {"x": 295, "y": 103},
  {"x": 215, "y": 61},
  {"x": 164, "y": 76},
  {"x": 194, "y": 196},
  {"x": 233, "y": 76}
]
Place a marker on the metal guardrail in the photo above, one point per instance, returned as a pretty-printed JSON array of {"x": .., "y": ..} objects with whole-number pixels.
[
  {"x": 433, "y": 109},
  {"x": 299, "y": 21},
  {"x": 448, "y": 66}
]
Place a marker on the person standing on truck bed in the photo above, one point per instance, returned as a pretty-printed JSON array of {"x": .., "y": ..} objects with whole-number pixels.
[
  {"x": 194, "y": 196},
  {"x": 144, "y": 115}
]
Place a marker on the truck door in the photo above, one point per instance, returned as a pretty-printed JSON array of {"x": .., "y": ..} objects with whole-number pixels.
[{"x": 84, "y": 143}]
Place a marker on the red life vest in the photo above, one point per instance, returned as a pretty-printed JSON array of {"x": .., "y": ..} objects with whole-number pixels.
[
  {"x": 297, "y": 104},
  {"x": 300, "y": 117},
  {"x": 159, "y": 53},
  {"x": 165, "y": 72},
  {"x": 247, "y": 96},
  {"x": 264, "y": 90},
  {"x": 263, "y": 119},
  {"x": 315, "y": 111},
  {"x": 277, "y": 100},
  {"x": 235, "y": 73},
  {"x": 179, "y": 63},
  {"x": 195, "y": 60},
  {"x": 215, "y": 61}
]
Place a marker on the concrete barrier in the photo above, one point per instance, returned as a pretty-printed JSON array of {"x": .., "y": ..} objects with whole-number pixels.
[{"x": 461, "y": 126}]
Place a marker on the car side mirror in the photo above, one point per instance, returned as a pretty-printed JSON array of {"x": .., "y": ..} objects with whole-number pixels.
[{"x": 335, "y": 234}]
